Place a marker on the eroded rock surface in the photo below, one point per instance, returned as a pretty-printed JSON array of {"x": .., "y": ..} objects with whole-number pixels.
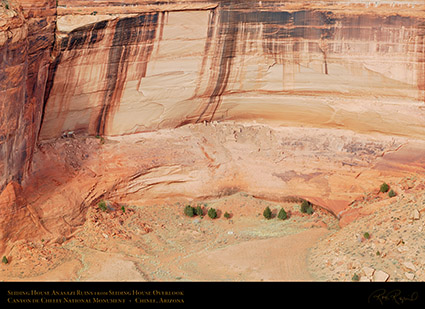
[
  {"x": 146, "y": 102},
  {"x": 27, "y": 31},
  {"x": 335, "y": 66}
]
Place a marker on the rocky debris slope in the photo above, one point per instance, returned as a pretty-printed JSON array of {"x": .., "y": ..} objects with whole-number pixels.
[
  {"x": 329, "y": 168},
  {"x": 125, "y": 242},
  {"x": 345, "y": 79},
  {"x": 385, "y": 245}
]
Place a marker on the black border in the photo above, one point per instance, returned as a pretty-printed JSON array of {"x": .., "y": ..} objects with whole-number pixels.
[{"x": 202, "y": 294}]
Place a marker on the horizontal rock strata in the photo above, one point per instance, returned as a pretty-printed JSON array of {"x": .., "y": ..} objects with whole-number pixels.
[
  {"x": 27, "y": 30},
  {"x": 101, "y": 68},
  {"x": 333, "y": 67}
]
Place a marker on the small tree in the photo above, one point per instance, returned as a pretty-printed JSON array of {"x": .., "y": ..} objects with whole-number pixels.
[
  {"x": 392, "y": 193},
  {"x": 282, "y": 214},
  {"x": 199, "y": 211},
  {"x": 306, "y": 207},
  {"x": 102, "y": 205},
  {"x": 189, "y": 211},
  {"x": 4, "y": 260},
  {"x": 212, "y": 213},
  {"x": 384, "y": 188},
  {"x": 267, "y": 213}
]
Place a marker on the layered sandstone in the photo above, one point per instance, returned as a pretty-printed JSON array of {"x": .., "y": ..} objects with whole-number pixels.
[
  {"x": 26, "y": 40},
  {"x": 355, "y": 66},
  {"x": 97, "y": 68}
]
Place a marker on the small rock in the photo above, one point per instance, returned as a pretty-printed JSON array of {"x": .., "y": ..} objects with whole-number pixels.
[
  {"x": 415, "y": 215},
  {"x": 402, "y": 249},
  {"x": 356, "y": 265},
  {"x": 368, "y": 271},
  {"x": 359, "y": 239},
  {"x": 380, "y": 276},
  {"x": 409, "y": 265},
  {"x": 409, "y": 276},
  {"x": 105, "y": 235}
]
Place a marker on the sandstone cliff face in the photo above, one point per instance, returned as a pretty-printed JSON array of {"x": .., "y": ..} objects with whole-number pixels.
[
  {"x": 357, "y": 67},
  {"x": 132, "y": 66},
  {"x": 26, "y": 40}
]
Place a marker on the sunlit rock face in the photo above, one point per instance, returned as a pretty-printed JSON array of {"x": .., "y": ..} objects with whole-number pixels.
[
  {"x": 360, "y": 69},
  {"x": 119, "y": 67},
  {"x": 26, "y": 40}
]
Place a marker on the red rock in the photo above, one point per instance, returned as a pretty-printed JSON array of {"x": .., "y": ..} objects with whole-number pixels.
[
  {"x": 15, "y": 219},
  {"x": 309, "y": 65}
]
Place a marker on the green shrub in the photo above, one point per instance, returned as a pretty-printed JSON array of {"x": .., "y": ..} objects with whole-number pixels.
[
  {"x": 101, "y": 139},
  {"x": 306, "y": 207},
  {"x": 4, "y": 260},
  {"x": 102, "y": 205},
  {"x": 226, "y": 215},
  {"x": 199, "y": 211},
  {"x": 189, "y": 211},
  {"x": 212, "y": 213},
  {"x": 355, "y": 277},
  {"x": 123, "y": 208},
  {"x": 267, "y": 213},
  {"x": 384, "y": 188},
  {"x": 391, "y": 193},
  {"x": 282, "y": 214},
  {"x": 366, "y": 235}
]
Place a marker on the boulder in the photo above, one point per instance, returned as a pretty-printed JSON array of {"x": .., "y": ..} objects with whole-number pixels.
[{"x": 380, "y": 276}]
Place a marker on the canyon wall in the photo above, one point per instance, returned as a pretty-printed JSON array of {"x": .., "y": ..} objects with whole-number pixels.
[
  {"x": 27, "y": 31},
  {"x": 104, "y": 69},
  {"x": 26, "y": 40},
  {"x": 116, "y": 68},
  {"x": 125, "y": 69}
]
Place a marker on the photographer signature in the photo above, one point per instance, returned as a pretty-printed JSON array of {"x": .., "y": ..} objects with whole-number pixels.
[{"x": 381, "y": 296}]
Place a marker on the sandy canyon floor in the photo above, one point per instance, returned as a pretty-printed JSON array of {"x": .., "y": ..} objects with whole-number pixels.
[{"x": 240, "y": 168}]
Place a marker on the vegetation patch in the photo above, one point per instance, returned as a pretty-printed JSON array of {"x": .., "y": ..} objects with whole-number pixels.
[
  {"x": 384, "y": 188},
  {"x": 267, "y": 213},
  {"x": 189, "y": 211},
  {"x": 102, "y": 205},
  {"x": 212, "y": 213},
  {"x": 306, "y": 207},
  {"x": 199, "y": 211},
  {"x": 282, "y": 215}
]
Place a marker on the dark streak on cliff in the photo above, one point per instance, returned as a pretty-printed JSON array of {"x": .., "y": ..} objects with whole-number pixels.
[
  {"x": 129, "y": 32},
  {"x": 421, "y": 61},
  {"x": 227, "y": 36},
  {"x": 210, "y": 33},
  {"x": 23, "y": 72},
  {"x": 77, "y": 39},
  {"x": 278, "y": 31}
]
